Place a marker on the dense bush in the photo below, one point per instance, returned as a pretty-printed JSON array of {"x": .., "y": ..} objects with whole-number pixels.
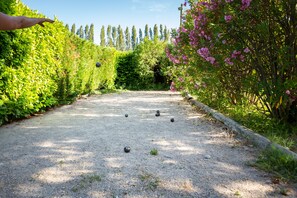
[
  {"x": 42, "y": 67},
  {"x": 145, "y": 67},
  {"x": 240, "y": 51}
]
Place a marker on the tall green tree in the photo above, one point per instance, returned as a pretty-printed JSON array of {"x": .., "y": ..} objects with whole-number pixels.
[
  {"x": 127, "y": 39},
  {"x": 91, "y": 33},
  {"x": 151, "y": 34},
  {"x": 80, "y": 32},
  {"x": 73, "y": 28},
  {"x": 161, "y": 33},
  {"x": 109, "y": 37},
  {"x": 120, "y": 39},
  {"x": 87, "y": 29},
  {"x": 166, "y": 34},
  {"x": 67, "y": 27},
  {"x": 156, "y": 32},
  {"x": 140, "y": 35},
  {"x": 114, "y": 36},
  {"x": 146, "y": 31},
  {"x": 102, "y": 36},
  {"x": 133, "y": 38}
]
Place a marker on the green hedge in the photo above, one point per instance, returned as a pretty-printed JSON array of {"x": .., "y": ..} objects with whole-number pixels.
[
  {"x": 144, "y": 68},
  {"x": 43, "y": 67}
]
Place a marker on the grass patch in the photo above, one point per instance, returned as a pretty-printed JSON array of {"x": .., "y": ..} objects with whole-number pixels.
[
  {"x": 154, "y": 152},
  {"x": 281, "y": 165},
  {"x": 277, "y": 132},
  {"x": 86, "y": 181},
  {"x": 249, "y": 116},
  {"x": 151, "y": 182}
]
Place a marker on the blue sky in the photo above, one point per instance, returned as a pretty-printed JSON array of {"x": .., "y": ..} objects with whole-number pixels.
[{"x": 110, "y": 12}]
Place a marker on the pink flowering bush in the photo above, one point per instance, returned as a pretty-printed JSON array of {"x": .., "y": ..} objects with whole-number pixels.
[{"x": 239, "y": 49}]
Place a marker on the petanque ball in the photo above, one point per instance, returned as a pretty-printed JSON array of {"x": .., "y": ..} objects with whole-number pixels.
[
  {"x": 172, "y": 119},
  {"x": 126, "y": 115},
  {"x": 158, "y": 112},
  {"x": 98, "y": 64},
  {"x": 127, "y": 149}
]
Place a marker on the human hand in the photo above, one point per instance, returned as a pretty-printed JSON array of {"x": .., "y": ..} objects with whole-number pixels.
[{"x": 42, "y": 20}]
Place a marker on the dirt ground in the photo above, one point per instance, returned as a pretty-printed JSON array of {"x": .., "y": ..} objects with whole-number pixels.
[{"x": 78, "y": 151}]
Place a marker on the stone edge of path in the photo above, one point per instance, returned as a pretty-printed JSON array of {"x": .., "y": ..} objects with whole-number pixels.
[{"x": 259, "y": 140}]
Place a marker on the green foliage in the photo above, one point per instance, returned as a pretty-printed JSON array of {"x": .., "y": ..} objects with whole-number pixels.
[
  {"x": 143, "y": 68},
  {"x": 274, "y": 161},
  {"x": 154, "y": 152},
  {"x": 42, "y": 67},
  {"x": 251, "y": 117},
  {"x": 228, "y": 51},
  {"x": 133, "y": 38},
  {"x": 127, "y": 39}
]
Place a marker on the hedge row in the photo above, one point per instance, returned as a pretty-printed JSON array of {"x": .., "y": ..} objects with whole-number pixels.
[{"x": 43, "y": 67}]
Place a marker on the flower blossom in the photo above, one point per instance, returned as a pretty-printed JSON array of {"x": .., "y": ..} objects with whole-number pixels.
[
  {"x": 172, "y": 87},
  {"x": 288, "y": 92},
  {"x": 203, "y": 52},
  {"x": 228, "y": 18},
  {"x": 235, "y": 54},
  {"x": 246, "y": 50},
  {"x": 242, "y": 58},
  {"x": 210, "y": 59},
  {"x": 228, "y": 61},
  {"x": 245, "y": 4}
]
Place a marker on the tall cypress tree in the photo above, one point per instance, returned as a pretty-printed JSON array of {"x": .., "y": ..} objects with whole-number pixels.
[
  {"x": 140, "y": 35},
  {"x": 73, "y": 28},
  {"x": 109, "y": 37},
  {"x": 87, "y": 29},
  {"x": 133, "y": 37},
  {"x": 151, "y": 34},
  {"x": 161, "y": 33},
  {"x": 166, "y": 34},
  {"x": 80, "y": 32},
  {"x": 114, "y": 36},
  {"x": 120, "y": 39},
  {"x": 156, "y": 32},
  {"x": 127, "y": 39},
  {"x": 102, "y": 36},
  {"x": 91, "y": 33},
  {"x": 146, "y": 31},
  {"x": 67, "y": 27}
]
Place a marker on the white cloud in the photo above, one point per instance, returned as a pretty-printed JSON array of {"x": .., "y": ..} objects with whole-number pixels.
[{"x": 157, "y": 7}]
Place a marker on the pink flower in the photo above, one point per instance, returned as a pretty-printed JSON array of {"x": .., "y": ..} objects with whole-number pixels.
[
  {"x": 212, "y": 60},
  {"x": 288, "y": 92},
  {"x": 235, "y": 54},
  {"x": 228, "y": 61},
  {"x": 185, "y": 57},
  {"x": 247, "y": 50},
  {"x": 224, "y": 42},
  {"x": 242, "y": 58},
  {"x": 228, "y": 18},
  {"x": 172, "y": 87},
  {"x": 245, "y": 4},
  {"x": 203, "y": 52}
]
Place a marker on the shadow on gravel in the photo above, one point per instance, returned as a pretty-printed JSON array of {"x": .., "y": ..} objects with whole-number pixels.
[{"x": 77, "y": 151}]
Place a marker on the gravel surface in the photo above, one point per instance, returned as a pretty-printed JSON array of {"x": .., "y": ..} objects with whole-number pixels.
[{"x": 78, "y": 151}]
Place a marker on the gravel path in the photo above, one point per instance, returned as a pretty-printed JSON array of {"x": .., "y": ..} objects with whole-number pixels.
[{"x": 77, "y": 151}]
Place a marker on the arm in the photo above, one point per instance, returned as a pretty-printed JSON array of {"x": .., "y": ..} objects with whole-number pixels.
[{"x": 11, "y": 22}]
